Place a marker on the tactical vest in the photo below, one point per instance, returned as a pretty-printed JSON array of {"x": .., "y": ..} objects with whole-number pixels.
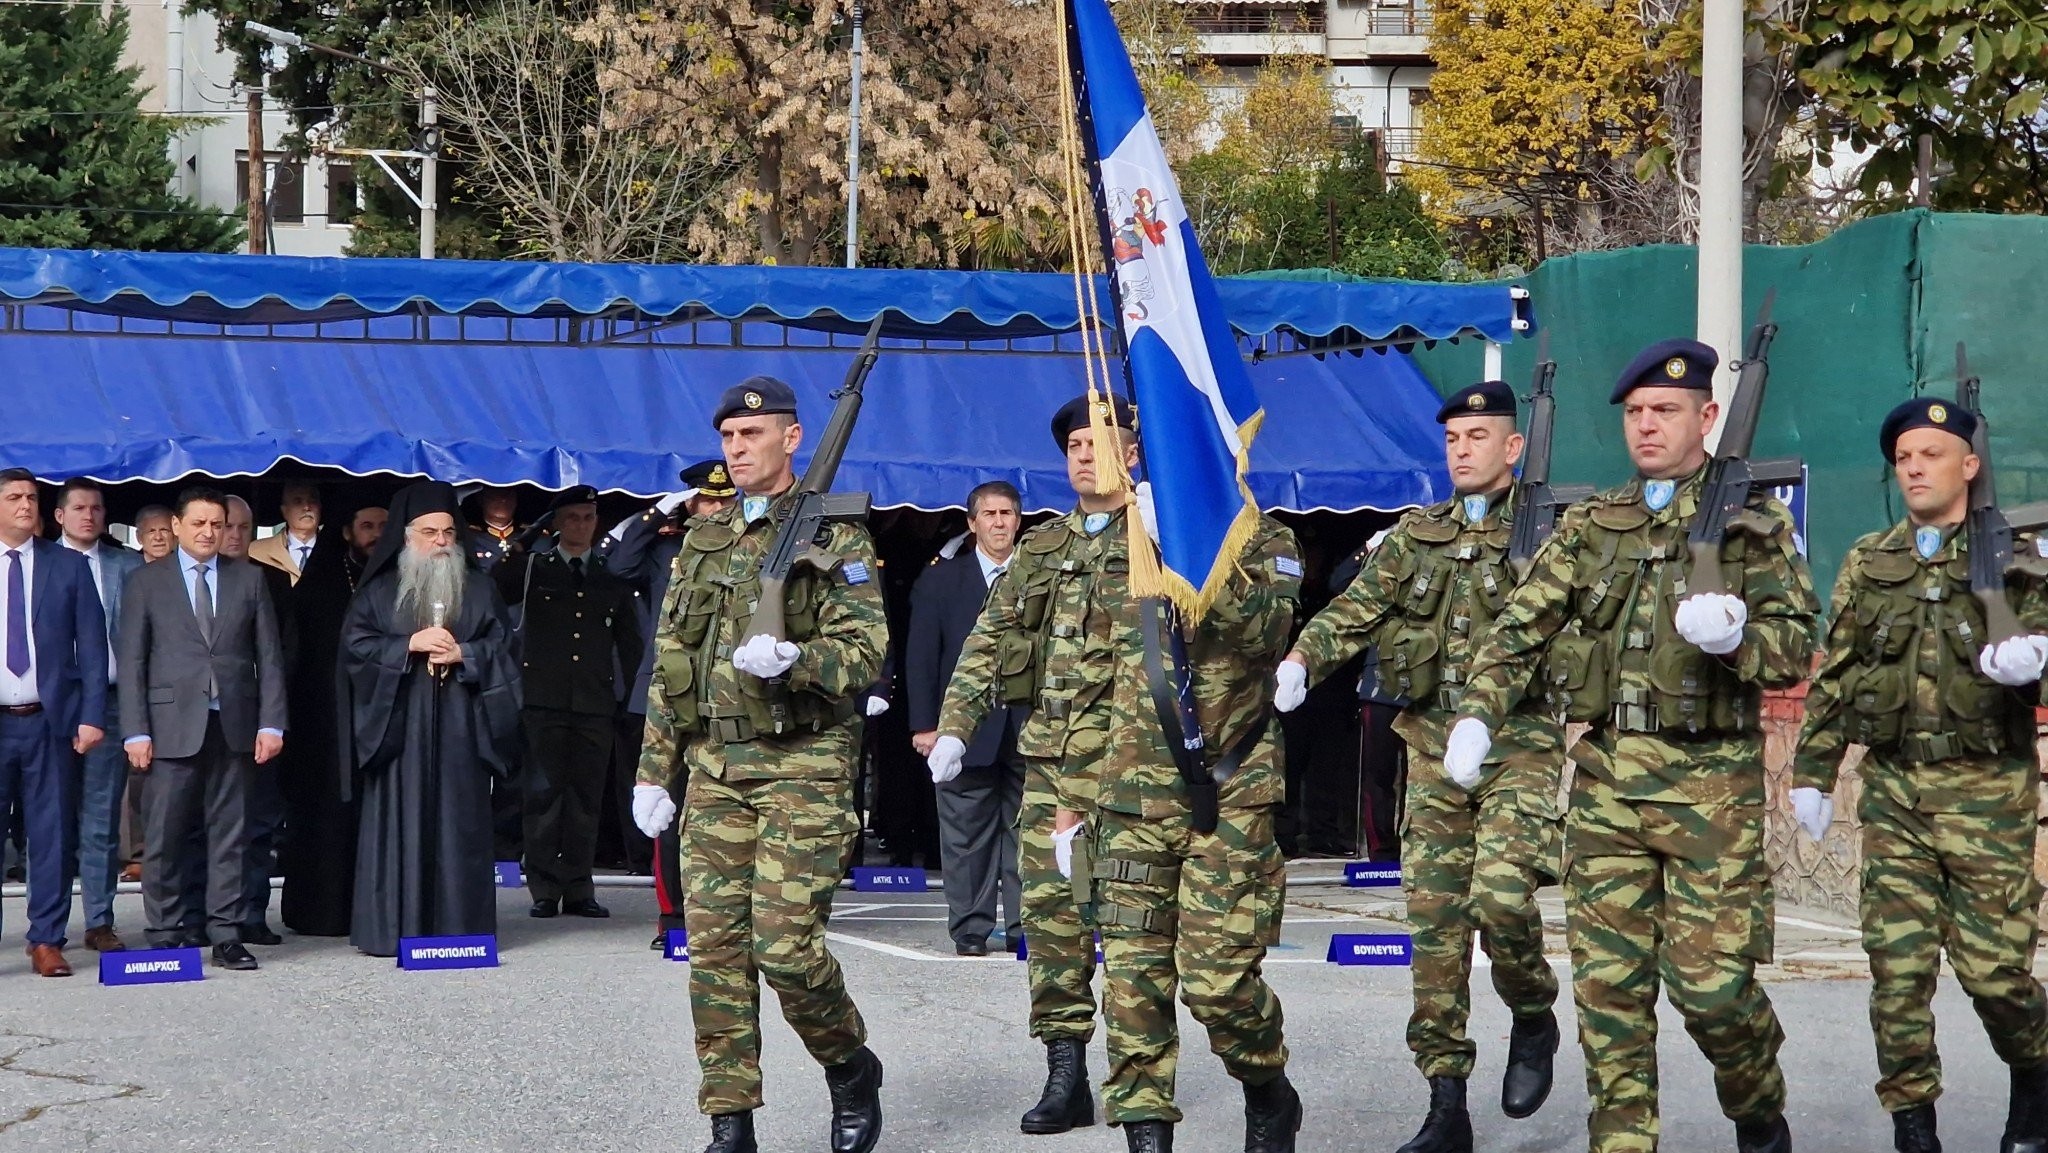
[
  {"x": 1414, "y": 661},
  {"x": 1917, "y": 621},
  {"x": 702, "y": 615},
  {"x": 1621, "y": 663},
  {"x": 1039, "y": 569}
]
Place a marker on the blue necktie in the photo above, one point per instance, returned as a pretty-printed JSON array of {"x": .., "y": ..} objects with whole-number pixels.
[{"x": 17, "y": 616}]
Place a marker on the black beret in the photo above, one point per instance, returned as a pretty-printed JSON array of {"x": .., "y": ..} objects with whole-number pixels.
[
  {"x": 1668, "y": 364},
  {"x": 1925, "y": 412},
  {"x": 581, "y": 494},
  {"x": 1074, "y": 414},
  {"x": 709, "y": 478},
  {"x": 754, "y": 396},
  {"x": 1487, "y": 398}
]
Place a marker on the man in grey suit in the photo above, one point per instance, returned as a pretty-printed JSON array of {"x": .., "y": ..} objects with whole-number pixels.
[
  {"x": 977, "y": 806},
  {"x": 202, "y": 697}
]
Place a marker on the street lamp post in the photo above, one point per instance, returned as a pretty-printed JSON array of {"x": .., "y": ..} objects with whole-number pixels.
[
  {"x": 853, "y": 149},
  {"x": 428, "y": 153}
]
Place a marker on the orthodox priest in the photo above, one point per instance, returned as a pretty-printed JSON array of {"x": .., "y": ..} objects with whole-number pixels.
[{"x": 429, "y": 688}]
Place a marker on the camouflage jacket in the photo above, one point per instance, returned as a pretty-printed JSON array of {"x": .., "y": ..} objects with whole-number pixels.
[
  {"x": 1591, "y": 628},
  {"x": 834, "y": 615},
  {"x": 1232, "y": 654},
  {"x": 1900, "y": 677},
  {"x": 1424, "y": 597},
  {"x": 1076, "y": 586}
]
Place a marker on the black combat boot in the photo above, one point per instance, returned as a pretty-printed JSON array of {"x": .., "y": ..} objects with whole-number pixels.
[
  {"x": 1067, "y": 1102},
  {"x": 1149, "y": 1136},
  {"x": 732, "y": 1133},
  {"x": 856, "y": 1088},
  {"x": 1913, "y": 1130},
  {"x": 1272, "y": 1116},
  {"x": 1773, "y": 1136},
  {"x": 1448, "y": 1128},
  {"x": 1526, "y": 1084},
  {"x": 2026, "y": 1119}
]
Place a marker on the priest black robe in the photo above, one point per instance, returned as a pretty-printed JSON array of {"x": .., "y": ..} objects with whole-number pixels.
[
  {"x": 319, "y": 854},
  {"x": 423, "y": 752}
]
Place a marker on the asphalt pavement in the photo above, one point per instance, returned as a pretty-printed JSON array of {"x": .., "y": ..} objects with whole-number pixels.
[{"x": 580, "y": 1040}]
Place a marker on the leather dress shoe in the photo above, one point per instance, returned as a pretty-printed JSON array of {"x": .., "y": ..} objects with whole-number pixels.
[
  {"x": 545, "y": 907},
  {"x": 260, "y": 933},
  {"x": 587, "y": 907},
  {"x": 131, "y": 872},
  {"x": 971, "y": 947},
  {"x": 855, "y": 1086},
  {"x": 659, "y": 943},
  {"x": 234, "y": 955},
  {"x": 49, "y": 961},
  {"x": 105, "y": 940}
]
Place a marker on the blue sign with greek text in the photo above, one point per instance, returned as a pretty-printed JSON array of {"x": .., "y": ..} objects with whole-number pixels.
[
  {"x": 1372, "y": 874},
  {"x": 900, "y": 880},
  {"x": 675, "y": 945},
  {"x": 151, "y": 966},
  {"x": 508, "y": 875},
  {"x": 472, "y": 952},
  {"x": 1370, "y": 949}
]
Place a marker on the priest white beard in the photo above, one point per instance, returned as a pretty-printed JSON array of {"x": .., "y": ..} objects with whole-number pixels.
[{"x": 429, "y": 579}]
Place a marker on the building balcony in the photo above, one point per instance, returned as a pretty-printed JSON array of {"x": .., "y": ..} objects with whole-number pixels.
[
  {"x": 1260, "y": 29},
  {"x": 1378, "y": 31}
]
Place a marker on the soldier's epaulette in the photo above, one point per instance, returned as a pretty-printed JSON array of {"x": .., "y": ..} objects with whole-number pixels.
[
  {"x": 1052, "y": 536},
  {"x": 1433, "y": 524}
]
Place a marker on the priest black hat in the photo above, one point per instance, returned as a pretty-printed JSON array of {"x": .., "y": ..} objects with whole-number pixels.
[
  {"x": 1668, "y": 364},
  {"x": 1074, "y": 414},
  {"x": 754, "y": 396},
  {"x": 1487, "y": 398},
  {"x": 1925, "y": 412}
]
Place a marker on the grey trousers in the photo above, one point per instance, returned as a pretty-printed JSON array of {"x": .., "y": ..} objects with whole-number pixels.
[
  {"x": 978, "y": 848},
  {"x": 209, "y": 792}
]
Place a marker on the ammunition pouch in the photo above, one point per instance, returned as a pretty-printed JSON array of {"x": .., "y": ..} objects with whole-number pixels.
[
  {"x": 1875, "y": 698},
  {"x": 675, "y": 671},
  {"x": 1691, "y": 692},
  {"x": 1575, "y": 685},
  {"x": 1016, "y": 656},
  {"x": 1411, "y": 660}
]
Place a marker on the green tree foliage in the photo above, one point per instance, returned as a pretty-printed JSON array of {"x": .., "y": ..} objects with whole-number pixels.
[{"x": 81, "y": 166}]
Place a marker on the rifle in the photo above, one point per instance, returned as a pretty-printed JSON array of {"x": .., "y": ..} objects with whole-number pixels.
[
  {"x": 1990, "y": 530},
  {"x": 1731, "y": 475},
  {"x": 1537, "y": 501},
  {"x": 816, "y": 504}
]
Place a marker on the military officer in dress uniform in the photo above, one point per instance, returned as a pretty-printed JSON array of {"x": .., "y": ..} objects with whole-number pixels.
[
  {"x": 495, "y": 533},
  {"x": 580, "y": 646},
  {"x": 1948, "y": 801}
]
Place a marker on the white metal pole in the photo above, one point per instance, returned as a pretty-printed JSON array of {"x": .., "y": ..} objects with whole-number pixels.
[
  {"x": 430, "y": 168},
  {"x": 1492, "y": 361},
  {"x": 853, "y": 150},
  {"x": 1720, "y": 184},
  {"x": 174, "y": 87}
]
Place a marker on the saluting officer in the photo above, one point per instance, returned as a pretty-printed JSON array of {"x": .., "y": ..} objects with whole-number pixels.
[
  {"x": 1478, "y": 847},
  {"x": 494, "y": 534},
  {"x": 1948, "y": 801},
  {"x": 579, "y": 645},
  {"x": 763, "y": 729},
  {"x": 1665, "y": 878}
]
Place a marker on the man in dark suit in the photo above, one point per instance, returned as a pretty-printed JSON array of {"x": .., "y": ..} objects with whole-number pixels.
[
  {"x": 53, "y": 696},
  {"x": 202, "y": 705},
  {"x": 977, "y": 808},
  {"x": 579, "y": 637}
]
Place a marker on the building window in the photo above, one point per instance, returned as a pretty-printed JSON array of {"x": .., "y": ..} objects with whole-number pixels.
[
  {"x": 287, "y": 177},
  {"x": 341, "y": 193}
]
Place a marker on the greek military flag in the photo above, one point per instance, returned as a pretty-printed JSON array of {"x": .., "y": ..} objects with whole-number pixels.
[{"x": 1195, "y": 400}]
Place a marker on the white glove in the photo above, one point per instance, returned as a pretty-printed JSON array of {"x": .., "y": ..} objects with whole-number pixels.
[
  {"x": 1814, "y": 810},
  {"x": 1712, "y": 622},
  {"x": 877, "y": 706},
  {"x": 765, "y": 657},
  {"x": 1063, "y": 849},
  {"x": 2015, "y": 662},
  {"x": 1290, "y": 686},
  {"x": 944, "y": 759},
  {"x": 653, "y": 809},
  {"x": 1465, "y": 752},
  {"x": 669, "y": 504},
  {"x": 1148, "y": 513}
]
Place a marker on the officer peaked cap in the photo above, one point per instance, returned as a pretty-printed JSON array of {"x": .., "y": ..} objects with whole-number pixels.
[
  {"x": 1668, "y": 364},
  {"x": 581, "y": 494},
  {"x": 708, "y": 478}
]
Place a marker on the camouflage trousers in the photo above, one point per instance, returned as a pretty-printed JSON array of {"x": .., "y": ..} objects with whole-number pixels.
[
  {"x": 1193, "y": 914},
  {"x": 1473, "y": 862},
  {"x": 1060, "y": 946},
  {"x": 1960, "y": 883},
  {"x": 1678, "y": 893},
  {"x": 763, "y": 859}
]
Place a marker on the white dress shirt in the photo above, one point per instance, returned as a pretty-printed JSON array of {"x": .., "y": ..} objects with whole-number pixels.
[
  {"x": 93, "y": 556},
  {"x": 19, "y": 690},
  {"x": 302, "y": 550},
  {"x": 991, "y": 568}
]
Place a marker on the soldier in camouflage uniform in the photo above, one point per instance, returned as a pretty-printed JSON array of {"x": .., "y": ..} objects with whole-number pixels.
[
  {"x": 1665, "y": 876},
  {"x": 1197, "y": 911},
  {"x": 1948, "y": 782},
  {"x": 1476, "y": 851},
  {"x": 762, "y": 731},
  {"x": 1045, "y": 639}
]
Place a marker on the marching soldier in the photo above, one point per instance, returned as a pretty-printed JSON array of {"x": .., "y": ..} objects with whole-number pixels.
[
  {"x": 1188, "y": 909},
  {"x": 1046, "y": 638},
  {"x": 1948, "y": 800},
  {"x": 1477, "y": 848},
  {"x": 763, "y": 733},
  {"x": 1665, "y": 877}
]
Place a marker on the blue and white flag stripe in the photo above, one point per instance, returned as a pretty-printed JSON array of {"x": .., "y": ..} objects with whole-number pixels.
[{"x": 1195, "y": 401}]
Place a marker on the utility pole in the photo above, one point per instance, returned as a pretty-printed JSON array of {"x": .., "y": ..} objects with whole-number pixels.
[
  {"x": 253, "y": 184},
  {"x": 853, "y": 150},
  {"x": 430, "y": 168},
  {"x": 1720, "y": 183}
]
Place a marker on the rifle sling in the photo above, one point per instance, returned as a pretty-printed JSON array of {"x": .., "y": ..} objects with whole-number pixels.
[{"x": 1184, "y": 758}]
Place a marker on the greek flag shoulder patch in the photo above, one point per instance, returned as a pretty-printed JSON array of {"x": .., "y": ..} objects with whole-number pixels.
[
  {"x": 855, "y": 572},
  {"x": 1287, "y": 566}
]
